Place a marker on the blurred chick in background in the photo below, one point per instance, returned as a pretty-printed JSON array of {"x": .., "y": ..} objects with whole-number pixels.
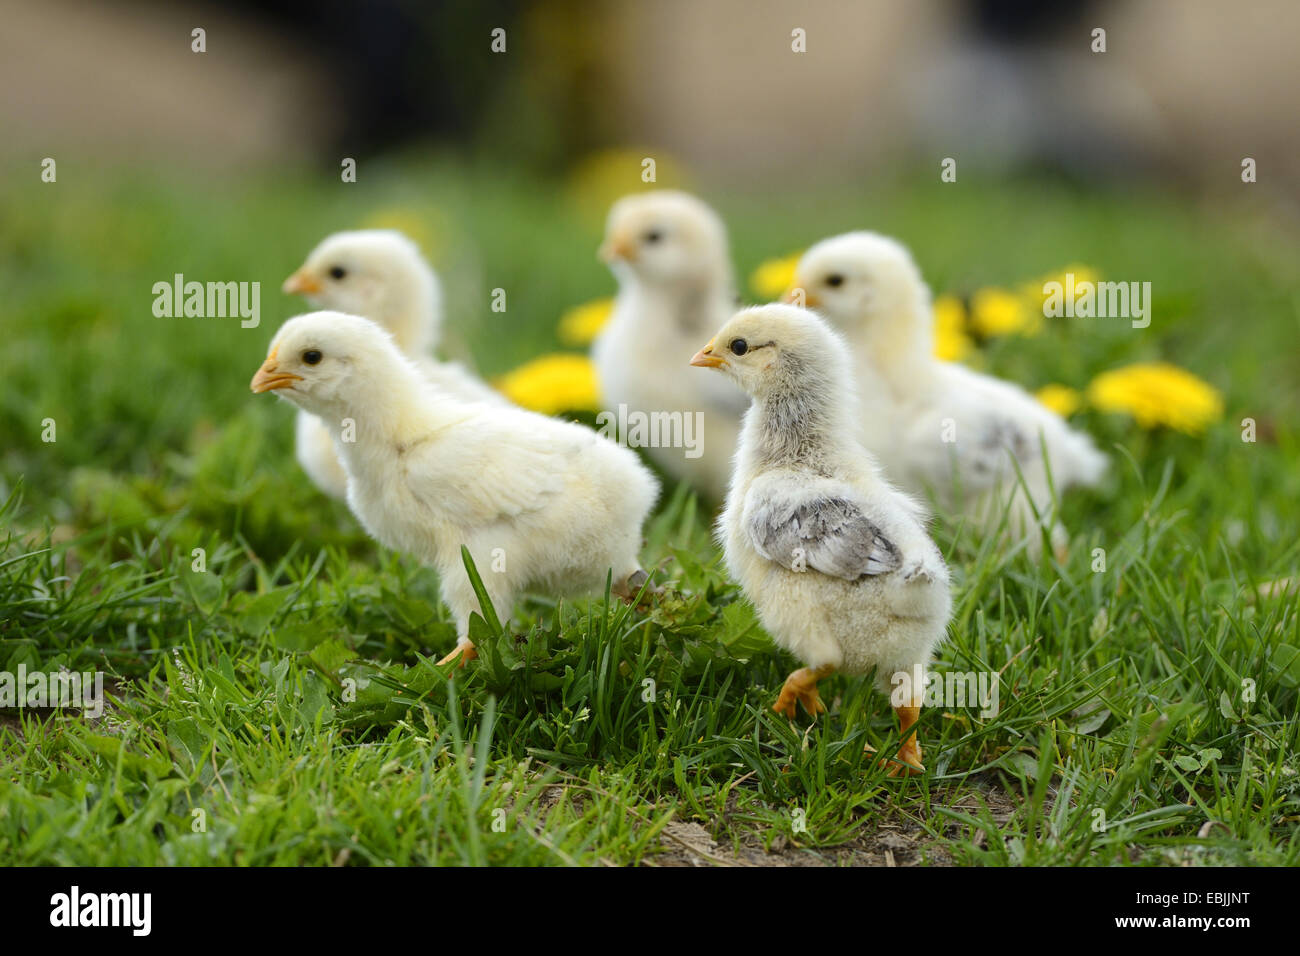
[
  {"x": 540, "y": 503},
  {"x": 836, "y": 561},
  {"x": 378, "y": 274},
  {"x": 668, "y": 251},
  {"x": 937, "y": 425}
]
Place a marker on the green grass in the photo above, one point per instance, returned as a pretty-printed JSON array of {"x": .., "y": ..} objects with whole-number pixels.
[{"x": 288, "y": 693}]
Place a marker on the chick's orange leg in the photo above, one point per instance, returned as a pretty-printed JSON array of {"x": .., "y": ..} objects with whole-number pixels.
[
  {"x": 464, "y": 653},
  {"x": 909, "y": 753},
  {"x": 801, "y": 688}
]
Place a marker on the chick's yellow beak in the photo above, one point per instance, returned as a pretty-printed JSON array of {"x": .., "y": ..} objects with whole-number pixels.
[
  {"x": 269, "y": 376},
  {"x": 301, "y": 283},
  {"x": 706, "y": 358},
  {"x": 617, "y": 248}
]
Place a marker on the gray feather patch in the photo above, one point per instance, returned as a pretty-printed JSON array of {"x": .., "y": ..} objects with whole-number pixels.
[
  {"x": 823, "y": 534},
  {"x": 987, "y": 454}
]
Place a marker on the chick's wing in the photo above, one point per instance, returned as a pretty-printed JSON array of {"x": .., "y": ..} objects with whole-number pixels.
[
  {"x": 817, "y": 526},
  {"x": 495, "y": 468},
  {"x": 978, "y": 425}
]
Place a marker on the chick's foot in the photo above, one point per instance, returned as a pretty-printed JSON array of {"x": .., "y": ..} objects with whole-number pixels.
[
  {"x": 908, "y": 761},
  {"x": 463, "y": 652},
  {"x": 801, "y": 688}
]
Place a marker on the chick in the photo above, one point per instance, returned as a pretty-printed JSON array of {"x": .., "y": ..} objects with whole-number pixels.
[
  {"x": 668, "y": 251},
  {"x": 836, "y": 561},
  {"x": 934, "y": 425},
  {"x": 540, "y": 503},
  {"x": 378, "y": 274}
]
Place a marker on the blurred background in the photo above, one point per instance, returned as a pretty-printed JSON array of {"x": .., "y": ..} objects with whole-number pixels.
[
  {"x": 1185, "y": 88},
  {"x": 225, "y": 165}
]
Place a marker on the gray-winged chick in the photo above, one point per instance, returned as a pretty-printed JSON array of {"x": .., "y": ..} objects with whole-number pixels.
[{"x": 834, "y": 558}]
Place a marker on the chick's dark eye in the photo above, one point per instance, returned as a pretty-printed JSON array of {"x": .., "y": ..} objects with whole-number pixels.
[
  {"x": 311, "y": 356},
  {"x": 835, "y": 280},
  {"x": 654, "y": 235},
  {"x": 338, "y": 272},
  {"x": 739, "y": 346}
]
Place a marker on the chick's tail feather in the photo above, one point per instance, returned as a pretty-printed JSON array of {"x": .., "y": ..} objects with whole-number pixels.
[{"x": 1090, "y": 462}]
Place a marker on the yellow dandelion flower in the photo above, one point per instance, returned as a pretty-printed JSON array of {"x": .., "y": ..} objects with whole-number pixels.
[
  {"x": 1156, "y": 394},
  {"x": 772, "y": 278},
  {"x": 550, "y": 384},
  {"x": 951, "y": 343},
  {"x": 581, "y": 324},
  {"x": 602, "y": 177},
  {"x": 996, "y": 311},
  {"x": 1062, "y": 399}
]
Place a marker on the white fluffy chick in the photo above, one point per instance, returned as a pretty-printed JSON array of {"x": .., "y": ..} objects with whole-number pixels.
[
  {"x": 541, "y": 504},
  {"x": 378, "y": 274},
  {"x": 668, "y": 251},
  {"x": 836, "y": 561},
  {"x": 938, "y": 426}
]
